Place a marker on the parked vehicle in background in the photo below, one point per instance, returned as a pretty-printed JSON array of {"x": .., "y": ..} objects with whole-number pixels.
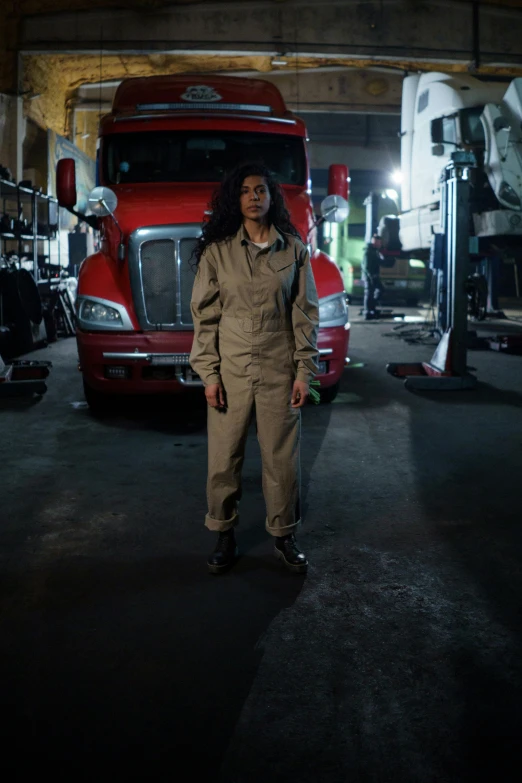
[
  {"x": 403, "y": 277},
  {"x": 445, "y": 112},
  {"x": 442, "y": 113},
  {"x": 162, "y": 150}
]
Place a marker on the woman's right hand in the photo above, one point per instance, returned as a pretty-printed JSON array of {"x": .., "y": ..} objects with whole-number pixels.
[{"x": 215, "y": 395}]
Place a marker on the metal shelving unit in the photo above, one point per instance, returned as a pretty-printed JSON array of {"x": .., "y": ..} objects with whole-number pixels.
[
  {"x": 35, "y": 303},
  {"x": 28, "y": 217}
]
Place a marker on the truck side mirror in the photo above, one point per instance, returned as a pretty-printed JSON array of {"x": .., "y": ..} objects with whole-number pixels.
[
  {"x": 334, "y": 209},
  {"x": 102, "y": 201},
  {"x": 339, "y": 181},
  {"x": 437, "y": 131},
  {"x": 437, "y": 150},
  {"x": 66, "y": 183}
]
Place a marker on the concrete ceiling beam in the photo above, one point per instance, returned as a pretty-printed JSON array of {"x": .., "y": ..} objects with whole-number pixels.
[{"x": 441, "y": 31}]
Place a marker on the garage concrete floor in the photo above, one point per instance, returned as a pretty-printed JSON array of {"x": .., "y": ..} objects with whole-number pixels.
[{"x": 398, "y": 658}]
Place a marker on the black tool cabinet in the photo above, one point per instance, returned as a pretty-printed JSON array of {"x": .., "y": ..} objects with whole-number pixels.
[{"x": 34, "y": 306}]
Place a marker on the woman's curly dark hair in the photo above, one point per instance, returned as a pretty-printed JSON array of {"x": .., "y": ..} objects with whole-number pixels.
[{"x": 225, "y": 219}]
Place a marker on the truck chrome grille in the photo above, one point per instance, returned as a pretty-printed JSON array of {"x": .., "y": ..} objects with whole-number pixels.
[
  {"x": 162, "y": 275},
  {"x": 158, "y": 274},
  {"x": 186, "y": 282}
]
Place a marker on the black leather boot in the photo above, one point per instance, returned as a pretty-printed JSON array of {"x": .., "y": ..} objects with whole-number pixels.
[
  {"x": 286, "y": 549},
  {"x": 225, "y": 554}
]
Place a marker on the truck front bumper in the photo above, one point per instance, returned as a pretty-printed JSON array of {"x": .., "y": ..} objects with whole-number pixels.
[
  {"x": 333, "y": 344},
  {"x": 157, "y": 362},
  {"x": 136, "y": 363}
]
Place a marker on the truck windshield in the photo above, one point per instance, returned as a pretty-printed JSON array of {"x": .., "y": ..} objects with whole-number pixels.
[
  {"x": 471, "y": 128},
  {"x": 199, "y": 156}
]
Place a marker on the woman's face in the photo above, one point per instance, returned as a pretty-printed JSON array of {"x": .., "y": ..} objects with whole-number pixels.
[{"x": 254, "y": 199}]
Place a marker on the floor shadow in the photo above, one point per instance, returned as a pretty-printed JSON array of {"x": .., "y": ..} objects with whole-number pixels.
[
  {"x": 128, "y": 669},
  {"x": 483, "y": 394},
  {"x": 363, "y": 387},
  {"x": 175, "y": 415},
  {"x": 468, "y": 466},
  {"x": 123, "y": 658},
  {"x": 20, "y": 404}
]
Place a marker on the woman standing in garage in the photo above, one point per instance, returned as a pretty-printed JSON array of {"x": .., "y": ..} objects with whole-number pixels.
[{"x": 256, "y": 317}]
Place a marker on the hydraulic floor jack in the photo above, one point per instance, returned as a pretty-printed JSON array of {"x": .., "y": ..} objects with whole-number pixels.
[
  {"x": 23, "y": 377},
  {"x": 447, "y": 368}
]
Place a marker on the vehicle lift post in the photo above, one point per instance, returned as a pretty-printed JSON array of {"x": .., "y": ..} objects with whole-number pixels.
[{"x": 447, "y": 369}]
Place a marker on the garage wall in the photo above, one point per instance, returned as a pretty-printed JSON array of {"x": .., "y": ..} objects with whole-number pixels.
[
  {"x": 323, "y": 155},
  {"x": 361, "y": 141}
]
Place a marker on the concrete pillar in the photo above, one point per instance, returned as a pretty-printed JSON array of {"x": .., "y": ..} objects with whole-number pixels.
[
  {"x": 19, "y": 138},
  {"x": 19, "y": 123},
  {"x": 8, "y": 134},
  {"x": 12, "y": 130}
]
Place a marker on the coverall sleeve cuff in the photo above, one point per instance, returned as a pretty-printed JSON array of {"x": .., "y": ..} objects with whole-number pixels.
[
  {"x": 212, "y": 378},
  {"x": 304, "y": 375}
]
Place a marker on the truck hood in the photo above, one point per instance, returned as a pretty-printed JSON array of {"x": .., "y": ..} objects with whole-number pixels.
[
  {"x": 503, "y": 152},
  {"x": 160, "y": 204}
]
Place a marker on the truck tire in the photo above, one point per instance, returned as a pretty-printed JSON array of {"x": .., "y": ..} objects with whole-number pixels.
[
  {"x": 328, "y": 395},
  {"x": 100, "y": 404}
]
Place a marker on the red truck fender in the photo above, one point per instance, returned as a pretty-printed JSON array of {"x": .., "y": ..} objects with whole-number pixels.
[
  {"x": 327, "y": 277},
  {"x": 101, "y": 276}
]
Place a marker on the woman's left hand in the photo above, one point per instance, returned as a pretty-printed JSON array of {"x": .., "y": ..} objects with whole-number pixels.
[{"x": 300, "y": 394}]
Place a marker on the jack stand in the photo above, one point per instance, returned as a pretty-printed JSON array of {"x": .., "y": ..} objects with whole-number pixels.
[
  {"x": 447, "y": 368},
  {"x": 435, "y": 374}
]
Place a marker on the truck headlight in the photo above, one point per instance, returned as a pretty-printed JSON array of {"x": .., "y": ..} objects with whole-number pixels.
[
  {"x": 509, "y": 196},
  {"x": 333, "y": 310},
  {"x": 99, "y": 314}
]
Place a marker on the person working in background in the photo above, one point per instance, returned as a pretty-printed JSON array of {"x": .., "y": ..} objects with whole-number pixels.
[{"x": 370, "y": 268}]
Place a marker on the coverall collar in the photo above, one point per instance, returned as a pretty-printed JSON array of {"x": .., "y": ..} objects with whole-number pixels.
[{"x": 273, "y": 236}]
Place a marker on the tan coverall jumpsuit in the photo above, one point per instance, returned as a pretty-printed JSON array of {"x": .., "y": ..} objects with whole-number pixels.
[{"x": 255, "y": 321}]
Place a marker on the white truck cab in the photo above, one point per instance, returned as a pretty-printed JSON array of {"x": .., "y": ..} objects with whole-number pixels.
[{"x": 441, "y": 113}]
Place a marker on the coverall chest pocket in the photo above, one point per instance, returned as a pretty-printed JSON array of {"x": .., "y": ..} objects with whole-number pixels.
[{"x": 284, "y": 268}]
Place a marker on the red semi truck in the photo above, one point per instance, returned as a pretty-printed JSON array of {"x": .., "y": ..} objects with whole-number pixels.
[{"x": 162, "y": 150}]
